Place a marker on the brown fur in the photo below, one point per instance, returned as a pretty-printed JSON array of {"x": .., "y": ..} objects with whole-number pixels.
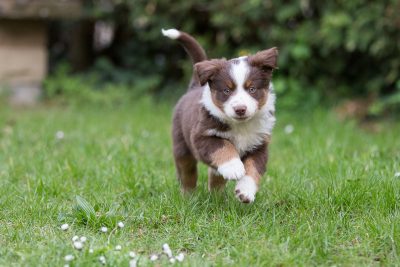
[
  {"x": 187, "y": 172},
  {"x": 192, "y": 47},
  {"x": 265, "y": 60}
]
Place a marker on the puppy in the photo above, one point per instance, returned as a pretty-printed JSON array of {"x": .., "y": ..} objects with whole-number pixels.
[{"x": 225, "y": 119}]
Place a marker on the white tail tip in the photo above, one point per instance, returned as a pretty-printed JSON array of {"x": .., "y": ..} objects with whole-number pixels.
[{"x": 171, "y": 33}]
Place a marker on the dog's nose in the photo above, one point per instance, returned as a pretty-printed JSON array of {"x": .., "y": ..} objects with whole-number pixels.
[{"x": 240, "y": 110}]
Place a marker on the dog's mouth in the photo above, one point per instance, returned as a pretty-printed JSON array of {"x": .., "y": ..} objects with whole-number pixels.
[{"x": 242, "y": 118}]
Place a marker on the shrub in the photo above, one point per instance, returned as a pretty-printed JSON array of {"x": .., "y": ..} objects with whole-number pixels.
[
  {"x": 84, "y": 89},
  {"x": 327, "y": 49}
]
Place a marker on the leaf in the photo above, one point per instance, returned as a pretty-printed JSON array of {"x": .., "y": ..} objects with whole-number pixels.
[
  {"x": 86, "y": 207},
  {"x": 300, "y": 51}
]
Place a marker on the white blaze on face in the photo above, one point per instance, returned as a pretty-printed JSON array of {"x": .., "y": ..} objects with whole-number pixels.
[
  {"x": 209, "y": 104},
  {"x": 240, "y": 97}
]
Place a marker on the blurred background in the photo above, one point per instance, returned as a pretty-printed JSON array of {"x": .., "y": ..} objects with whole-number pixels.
[{"x": 339, "y": 54}]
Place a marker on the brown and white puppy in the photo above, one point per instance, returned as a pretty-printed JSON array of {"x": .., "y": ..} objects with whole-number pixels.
[{"x": 225, "y": 119}]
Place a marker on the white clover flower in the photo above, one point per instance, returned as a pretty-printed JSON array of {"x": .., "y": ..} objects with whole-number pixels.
[
  {"x": 121, "y": 224},
  {"x": 172, "y": 260},
  {"x": 75, "y": 238},
  {"x": 167, "y": 250},
  {"x": 180, "y": 257},
  {"x": 133, "y": 263},
  {"x": 83, "y": 239},
  {"x": 104, "y": 229},
  {"x": 118, "y": 247},
  {"x": 78, "y": 245},
  {"x": 64, "y": 227},
  {"x": 69, "y": 258},
  {"x": 397, "y": 174},
  {"x": 102, "y": 260},
  {"x": 91, "y": 251},
  {"x": 154, "y": 257},
  {"x": 132, "y": 254},
  {"x": 66, "y": 265},
  {"x": 60, "y": 135},
  {"x": 289, "y": 129}
]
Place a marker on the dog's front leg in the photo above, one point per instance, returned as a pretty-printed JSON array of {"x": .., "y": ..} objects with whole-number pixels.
[
  {"x": 255, "y": 166},
  {"x": 221, "y": 155}
]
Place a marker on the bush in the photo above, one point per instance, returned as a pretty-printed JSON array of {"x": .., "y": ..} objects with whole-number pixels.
[
  {"x": 327, "y": 49},
  {"x": 83, "y": 90}
]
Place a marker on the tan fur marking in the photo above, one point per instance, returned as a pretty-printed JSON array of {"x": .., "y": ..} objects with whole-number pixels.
[
  {"x": 251, "y": 170},
  {"x": 230, "y": 85},
  {"x": 219, "y": 104},
  {"x": 268, "y": 139},
  {"x": 263, "y": 100},
  {"x": 224, "y": 154}
]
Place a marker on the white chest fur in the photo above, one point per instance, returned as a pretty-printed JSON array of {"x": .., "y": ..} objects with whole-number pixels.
[
  {"x": 249, "y": 136},
  {"x": 246, "y": 136}
]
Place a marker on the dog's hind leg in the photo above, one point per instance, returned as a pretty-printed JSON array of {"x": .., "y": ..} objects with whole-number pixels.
[
  {"x": 185, "y": 163},
  {"x": 186, "y": 167},
  {"x": 215, "y": 180}
]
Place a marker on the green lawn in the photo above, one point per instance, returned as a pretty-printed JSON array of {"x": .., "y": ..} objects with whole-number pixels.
[{"x": 330, "y": 196}]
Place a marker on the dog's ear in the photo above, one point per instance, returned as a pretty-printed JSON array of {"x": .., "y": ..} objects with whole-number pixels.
[
  {"x": 265, "y": 60},
  {"x": 207, "y": 69}
]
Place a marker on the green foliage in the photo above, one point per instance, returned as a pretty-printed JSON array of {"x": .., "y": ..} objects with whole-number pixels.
[
  {"x": 327, "y": 49},
  {"x": 89, "y": 89},
  {"x": 391, "y": 102},
  {"x": 84, "y": 210}
]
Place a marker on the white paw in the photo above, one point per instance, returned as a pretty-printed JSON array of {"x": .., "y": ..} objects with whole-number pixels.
[
  {"x": 232, "y": 169},
  {"x": 246, "y": 189}
]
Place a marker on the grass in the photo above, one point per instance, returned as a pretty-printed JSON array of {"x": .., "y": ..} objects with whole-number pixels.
[{"x": 330, "y": 196}]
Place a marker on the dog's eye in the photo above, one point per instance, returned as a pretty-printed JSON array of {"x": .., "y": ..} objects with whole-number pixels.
[
  {"x": 227, "y": 91},
  {"x": 252, "y": 90}
]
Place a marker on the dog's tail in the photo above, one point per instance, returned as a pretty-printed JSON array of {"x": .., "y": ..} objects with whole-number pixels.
[{"x": 192, "y": 47}]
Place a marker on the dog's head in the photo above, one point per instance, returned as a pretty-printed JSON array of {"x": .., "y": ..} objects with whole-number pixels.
[{"x": 238, "y": 87}]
